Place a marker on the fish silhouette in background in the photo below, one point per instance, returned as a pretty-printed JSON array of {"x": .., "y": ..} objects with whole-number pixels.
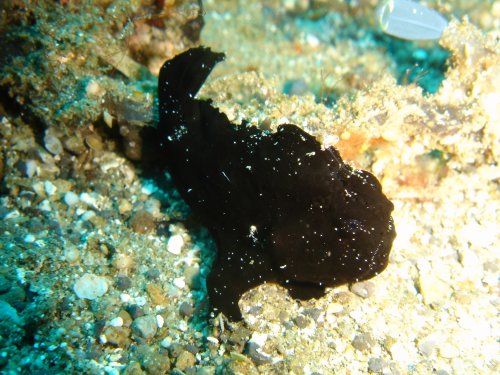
[{"x": 280, "y": 207}]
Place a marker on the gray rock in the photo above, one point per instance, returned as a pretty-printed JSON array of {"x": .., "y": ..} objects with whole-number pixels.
[
  {"x": 376, "y": 364},
  {"x": 145, "y": 326},
  {"x": 363, "y": 342},
  {"x": 252, "y": 349}
]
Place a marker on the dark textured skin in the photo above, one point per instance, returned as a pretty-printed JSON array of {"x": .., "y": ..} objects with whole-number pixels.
[{"x": 281, "y": 208}]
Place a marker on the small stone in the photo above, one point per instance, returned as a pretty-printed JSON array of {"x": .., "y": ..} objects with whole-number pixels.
[
  {"x": 175, "y": 349},
  {"x": 145, "y": 326},
  {"x": 71, "y": 254},
  {"x": 124, "y": 206},
  {"x": 94, "y": 141},
  {"x": 142, "y": 222},
  {"x": 52, "y": 144},
  {"x": 180, "y": 282},
  {"x": 50, "y": 188},
  {"x": 122, "y": 261},
  {"x": 71, "y": 198},
  {"x": 237, "y": 366},
  {"x": 363, "y": 289},
  {"x": 156, "y": 294},
  {"x": 427, "y": 347},
  {"x": 160, "y": 321},
  {"x": 153, "y": 362},
  {"x": 433, "y": 290},
  {"x": 90, "y": 286},
  {"x": 29, "y": 238},
  {"x": 118, "y": 336},
  {"x": 152, "y": 274},
  {"x": 313, "y": 313},
  {"x": 186, "y": 309},
  {"x": 258, "y": 357},
  {"x": 34, "y": 225},
  {"x": 175, "y": 244},
  {"x": 116, "y": 322},
  {"x": 192, "y": 348},
  {"x": 301, "y": 321},
  {"x": 134, "y": 369},
  {"x": 135, "y": 311},
  {"x": 126, "y": 318},
  {"x": 27, "y": 167},
  {"x": 166, "y": 342},
  {"x": 376, "y": 364},
  {"x": 363, "y": 342},
  {"x": 87, "y": 215},
  {"x": 123, "y": 283},
  {"x": 239, "y": 336},
  {"x": 74, "y": 144},
  {"x": 185, "y": 360}
]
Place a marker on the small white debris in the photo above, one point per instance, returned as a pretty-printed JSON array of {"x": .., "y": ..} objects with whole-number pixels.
[
  {"x": 29, "y": 238},
  {"x": 180, "y": 282},
  {"x": 167, "y": 341},
  {"x": 49, "y": 187},
  {"x": 116, "y": 322},
  {"x": 124, "y": 297},
  {"x": 30, "y": 166},
  {"x": 87, "y": 199},
  {"x": 213, "y": 340},
  {"x": 45, "y": 206},
  {"x": 175, "y": 244},
  {"x": 312, "y": 40},
  {"x": 259, "y": 339},
  {"x": 71, "y": 198},
  {"x": 160, "y": 321},
  {"x": 183, "y": 326},
  {"x": 87, "y": 215},
  {"x": 108, "y": 118},
  {"x": 140, "y": 301},
  {"x": 21, "y": 275},
  {"x": 90, "y": 286}
]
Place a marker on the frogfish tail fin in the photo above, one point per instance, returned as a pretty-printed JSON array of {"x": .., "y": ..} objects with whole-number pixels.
[{"x": 181, "y": 78}]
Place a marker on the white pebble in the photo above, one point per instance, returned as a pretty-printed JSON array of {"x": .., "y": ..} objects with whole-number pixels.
[
  {"x": 175, "y": 243},
  {"x": 90, "y": 286},
  {"x": 87, "y": 215},
  {"x": 183, "y": 326},
  {"x": 160, "y": 321},
  {"x": 49, "y": 187},
  {"x": 45, "y": 206},
  {"x": 52, "y": 144},
  {"x": 30, "y": 168},
  {"x": 213, "y": 340},
  {"x": 180, "y": 282},
  {"x": 124, "y": 297},
  {"x": 140, "y": 301},
  {"x": 87, "y": 199},
  {"x": 29, "y": 238},
  {"x": 259, "y": 338},
  {"x": 116, "y": 322},
  {"x": 71, "y": 198},
  {"x": 166, "y": 342}
]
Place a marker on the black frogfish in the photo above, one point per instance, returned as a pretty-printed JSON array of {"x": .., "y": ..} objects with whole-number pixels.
[{"x": 281, "y": 208}]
